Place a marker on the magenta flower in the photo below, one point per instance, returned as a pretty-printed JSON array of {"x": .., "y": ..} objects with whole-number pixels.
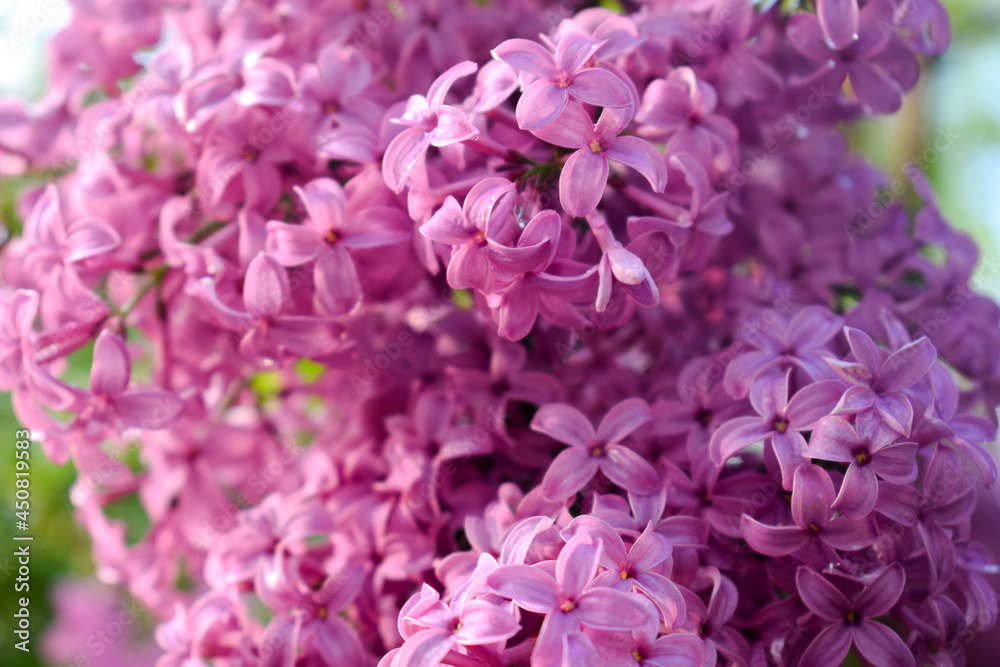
[
  {"x": 802, "y": 341},
  {"x": 779, "y": 423},
  {"x": 328, "y": 235},
  {"x": 815, "y": 528},
  {"x": 561, "y": 75},
  {"x": 476, "y": 233},
  {"x": 441, "y": 627},
  {"x": 637, "y": 568},
  {"x": 51, "y": 241},
  {"x": 843, "y": 43},
  {"x": 879, "y": 378},
  {"x": 110, "y": 401},
  {"x": 871, "y": 455},
  {"x": 850, "y": 623},
  {"x": 581, "y": 184},
  {"x": 431, "y": 123},
  {"x": 267, "y": 331},
  {"x": 591, "y": 450},
  {"x": 568, "y": 600}
]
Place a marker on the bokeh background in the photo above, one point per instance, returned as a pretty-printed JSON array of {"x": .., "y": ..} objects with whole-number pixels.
[{"x": 959, "y": 95}]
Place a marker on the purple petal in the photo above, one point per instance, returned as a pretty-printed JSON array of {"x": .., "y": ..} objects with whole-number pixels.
[
  {"x": 880, "y": 646},
  {"x": 453, "y": 126},
  {"x": 864, "y": 349},
  {"x": 577, "y": 564},
  {"x": 376, "y": 226},
  {"x": 806, "y": 36},
  {"x": 529, "y": 587},
  {"x": 812, "y": 403},
  {"x": 527, "y": 56},
  {"x": 736, "y": 434},
  {"x": 649, "y": 550},
  {"x": 88, "y": 238},
  {"x": 582, "y": 182},
  {"x": 265, "y": 287},
  {"x": 484, "y": 623},
  {"x": 622, "y": 419},
  {"x": 829, "y": 648},
  {"x": 907, "y": 365},
  {"x": 822, "y": 597},
  {"x": 448, "y": 225},
  {"x": 292, "y": 245},
  {"x": 148, "y": 410},
  {"x": 573, "y": 129},
  {"x": 850, "y": 534},
  {"x": 565, "y": 424},
  {"x": 813, "y": 327},
  {"x": 882, "y": 593},
  {"x": 574, "y": 50},
  {"x": 629, "y": 470},
  {"x": 439, "y": 89},
  {"x": 540, "y": 104},
  {"x": 896, "y": 412},
  {"x": 526, "y": 259},
  {"x": 833, "y": 439},
  {"x": 579, "y": 649},
  {"x": 608, "y": 609},
  {"x": 812, "y": 495},
  {"x": 742, "y": 371},
  {"x": 518, "y": 311},
  {"x": 599, "y": 87},
  {"x": 854, "y": 373},
  {"x": 613, "y": 556},
  {"x": 896, "y": 463},
  {"x": 855, "y": 400},
  {"x": 517, "y": 542},
  {"x": 839, "y": 20},
  {"x": 858, "y": 492},
  {"x": 772, "y": 540},
  {"x": 306, "y": 336},
  {"x": 424, "y": 649},
  {"x": 338, "y": 289},
  {"x": 568, "y": 473},
  {"x": 874, "y": 88},
  {"x": 111, "y": 368},
  {"x": 788, "y": 449},
  {"x": 664, "y": 594},
  {"x": 642, "y": 156},
  {"x": 402, "y": 155}
]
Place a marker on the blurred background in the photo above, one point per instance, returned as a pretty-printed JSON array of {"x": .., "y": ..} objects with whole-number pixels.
[{"x": 959, "y": 96}]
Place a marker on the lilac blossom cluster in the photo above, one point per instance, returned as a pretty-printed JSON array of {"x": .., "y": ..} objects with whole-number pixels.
[{"x": 448, "y": 332}]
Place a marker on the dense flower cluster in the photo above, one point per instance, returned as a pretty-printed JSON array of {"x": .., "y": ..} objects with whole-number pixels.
[{"x": 502, "y": 333}]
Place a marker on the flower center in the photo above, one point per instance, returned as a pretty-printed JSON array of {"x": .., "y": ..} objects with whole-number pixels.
[
  {"x": 637, "y": 656},
  {"x": 597, "y": 450},
  {"x": 567, "y": 606},
  {"x": 624, "y": 574},
  {"x": 862, "y": 457},
  {"x": 850, "y": 617},
  {"x": 331, "y": 237},
  {"x": 562, "y": 81},
  {"x": 454, "y": 626},
  {"x": 703, "y": 417},
  {"x": 331, "y": 108},
  {"x": 813, "y": 529},
  {"x": 780, "y": 425},
  {"x": 595, "y": 146}
]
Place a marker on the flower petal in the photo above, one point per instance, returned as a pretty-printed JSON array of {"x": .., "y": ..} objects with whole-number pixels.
[
  {"x": 881, "y": 594},
  {"x": 529, "y": 587},
  {"x": 540, "y": 104},
  {"x": 629, "y": 470},
  {"x": 622, "y": 419},
  {"x": 568, "y": 473},
  {"x": 772, "y": 540},
  {"x": 823, "y": 598}
]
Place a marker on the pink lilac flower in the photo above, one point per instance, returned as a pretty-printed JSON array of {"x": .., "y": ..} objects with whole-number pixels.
[
  {"x": 591, "y": 451},
  {"x": 560, "y": 76},
  {"x": 780, "y": 421},
  {"x": 879, "y": 378},
  {"x": 815, "y": 529},
  {"x": 851, "y": 623},
  {"x": 567, "y": 598},
  {"x": 430, "y": 122},
  {"x": 585, "y": 174},
  {"x": 871, "y": 453}
]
